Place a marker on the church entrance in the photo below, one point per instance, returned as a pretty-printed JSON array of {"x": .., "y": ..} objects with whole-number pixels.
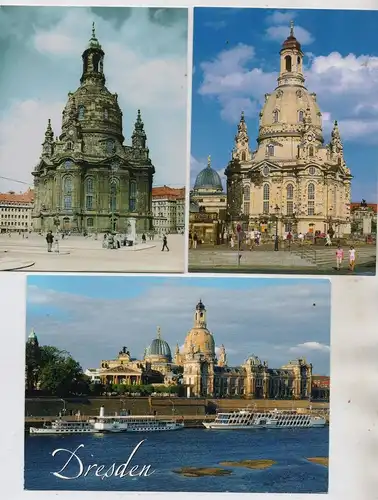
[{"x": 66, "y": 224}]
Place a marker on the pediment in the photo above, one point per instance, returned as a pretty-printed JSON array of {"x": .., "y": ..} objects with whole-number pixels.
[{"x": 263, "y": 164}]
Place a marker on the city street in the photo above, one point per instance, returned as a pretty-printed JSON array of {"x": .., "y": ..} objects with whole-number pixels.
[{"x": 77, "y": 253}]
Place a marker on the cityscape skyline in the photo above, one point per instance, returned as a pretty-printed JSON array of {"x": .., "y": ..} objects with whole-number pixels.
[
  {"x": 74, "y": 312},
  {"x": 48, "y": 42},
  {"x": 237, "y": 65}
]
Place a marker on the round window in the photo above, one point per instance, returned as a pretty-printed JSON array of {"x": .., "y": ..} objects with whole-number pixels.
[{"x": 265, "y": 171}]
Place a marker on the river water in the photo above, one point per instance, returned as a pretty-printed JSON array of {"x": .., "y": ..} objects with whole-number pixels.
[{"x": 168, "y": 451}]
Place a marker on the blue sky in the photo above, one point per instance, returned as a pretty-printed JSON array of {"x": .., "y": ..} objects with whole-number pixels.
[
  {"x": 40, "y": 58},
  {"x": 92, "y": 317},
  {"x": 341, "y": 66}
]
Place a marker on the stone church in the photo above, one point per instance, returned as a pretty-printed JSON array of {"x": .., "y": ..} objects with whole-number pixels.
[
  {"x": 294, "y": 178},
  {"x": 87, "y": 179}
]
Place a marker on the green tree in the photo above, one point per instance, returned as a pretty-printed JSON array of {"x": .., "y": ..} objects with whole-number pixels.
[{"x": 55, "y": 372}]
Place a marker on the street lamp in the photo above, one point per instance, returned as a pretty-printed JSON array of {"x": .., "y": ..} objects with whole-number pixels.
[{"x": 276, "y": 209}]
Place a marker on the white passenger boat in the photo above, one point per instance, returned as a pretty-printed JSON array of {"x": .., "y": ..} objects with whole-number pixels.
[
  {"x": 64, "y": 427},
  {"x": 276, "y": 419},
  {"x": 133, "y": 423}
]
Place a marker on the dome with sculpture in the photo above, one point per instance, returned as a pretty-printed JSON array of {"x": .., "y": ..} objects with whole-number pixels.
[
  {"x": 208, "y": 179},
  {"x": 158, "y": 350}
]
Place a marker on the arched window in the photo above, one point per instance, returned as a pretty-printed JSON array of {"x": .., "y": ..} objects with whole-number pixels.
[
  {"x": 311, "y": 199},
  {"x": 67, "y": 192},
  {"x": 81, "y": 112},
  {"x": 132, "y": 202},
  {"x": 298, "y": 60},
  {"x": 89, "y": 193},
  {"x": 289, "y": 199},
  {"x": 109, "y": 146},
  {"x": 69, "y": 145},
  {"x": 113, "y": 195},
  {"x": 106, "y": 114},
  {"x": 266, "y": 195},
  {"x": 247, "y": 197},
  {"x": 300, "y": 116},
  {"x": 311, "y": 151},
  {"x": 270, "y": 150},
  {"x": 288, "y": 63},
  {"x": 243, "y": 156},
  {"x": 275, "y": 116},
  {"x": 90, "y": 222}
]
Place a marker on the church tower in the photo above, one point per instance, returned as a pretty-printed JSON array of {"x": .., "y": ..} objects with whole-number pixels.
[
  {"x": 200, "y": 316},
  {"x": 241, "y": 149},
  {"x": 48, "y": 143},
  {"x": 93, "y": 62},
  {"x": 291, "y": 61}
]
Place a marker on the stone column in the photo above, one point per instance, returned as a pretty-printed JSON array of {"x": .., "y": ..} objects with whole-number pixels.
[
  {"x": 366, "y": 225},
  {"x": 131, "y": 231}
]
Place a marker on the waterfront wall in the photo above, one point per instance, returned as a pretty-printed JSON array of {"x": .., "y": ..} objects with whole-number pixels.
[{"x": 43, "y": 407}]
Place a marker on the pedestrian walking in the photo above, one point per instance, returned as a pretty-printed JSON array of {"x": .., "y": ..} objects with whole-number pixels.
[
  {"x": 289, "y": 238},
  {"x": 56, "y": 244},
  {"x": 352, "y": 258},
  {"x": 195, "y": 240},
  {"x": 165, "y": 245},
  {"x": 232, "y": 241},
  {"x": 301, "y": 238},
  {"x": 328, "y": 242},
  {"x": 49, "y": 240},
  {"x": 339, "y": 257},
  {"x": 143, "y": 238},
  {"x": 190, "y": 239}
]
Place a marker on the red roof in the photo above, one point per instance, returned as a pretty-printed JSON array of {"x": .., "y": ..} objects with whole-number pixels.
[
  {"x": 17, "y": 198},
  {"x": 320, "y": 380},
  {"x": 168, "y": 192},
  {"x": 355, "y": 206}
]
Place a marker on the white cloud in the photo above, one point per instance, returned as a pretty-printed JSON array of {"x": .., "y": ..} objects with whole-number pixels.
[
  {"x": 346, "y": 87},
  {"x": 152, "y": 77},
  {"x": 280, "y": 33},
  {"x": 278, "y": 17},
  {"x": 310, "y": 346}
]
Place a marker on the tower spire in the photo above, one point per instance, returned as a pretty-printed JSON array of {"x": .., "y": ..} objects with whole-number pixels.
[
  {"x": 241, "y": 150},
  {"x": 139, "y": 137},
  {"x": 158, "y": 332},
  {"x": 209, "y": 161}
]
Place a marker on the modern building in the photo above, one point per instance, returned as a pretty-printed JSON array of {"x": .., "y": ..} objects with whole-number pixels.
[
  {"x": 294, "y": 178},
  {"x": 168, "y": 209},
  {"x": 87, "y": 179},
  {"x": 208, "y": 203},
  {"x": 16, "y": 211},
  {"x": 206, "y": 373}
]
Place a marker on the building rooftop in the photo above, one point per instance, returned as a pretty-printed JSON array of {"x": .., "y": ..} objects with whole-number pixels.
[
  {"x": 12, "y": 197},
  {"x": 168, "y": 192}
]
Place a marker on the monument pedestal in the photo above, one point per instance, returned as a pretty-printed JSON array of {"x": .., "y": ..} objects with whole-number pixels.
[
  {"x": 366, "y": 225},
  {"x": 131, "y": 230}
]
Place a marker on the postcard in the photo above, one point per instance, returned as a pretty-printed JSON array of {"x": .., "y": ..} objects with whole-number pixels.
[
  {"x": 224, "y": 385},
  {"x": 283, "y": 169},
  {"x": 93, "y": 139}
]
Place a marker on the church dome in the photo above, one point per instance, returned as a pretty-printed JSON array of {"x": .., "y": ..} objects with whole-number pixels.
[
  {"x": 208, "y": 179},
  {"x": 201, "y": 341},
  {"x": 159, "y": 350}
]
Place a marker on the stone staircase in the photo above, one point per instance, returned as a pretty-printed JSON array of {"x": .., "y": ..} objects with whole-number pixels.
[{"x": 325, "y": 258}]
